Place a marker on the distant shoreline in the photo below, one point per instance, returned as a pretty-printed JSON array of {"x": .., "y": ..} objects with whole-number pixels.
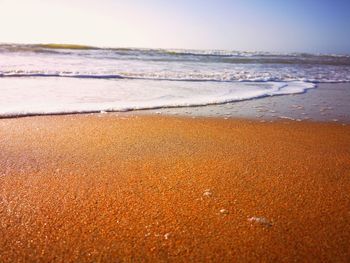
[{"x": 80, "y": 46}]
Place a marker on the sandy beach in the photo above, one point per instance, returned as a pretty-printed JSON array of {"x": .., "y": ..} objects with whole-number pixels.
[
  {"x": 102, "y": 188},
  {"x": 174, "y": 131}
]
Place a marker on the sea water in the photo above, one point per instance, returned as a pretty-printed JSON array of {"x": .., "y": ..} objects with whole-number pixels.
[{"x": 56, "y": 79}]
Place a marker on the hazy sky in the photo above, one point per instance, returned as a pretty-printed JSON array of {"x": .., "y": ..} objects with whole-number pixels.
[{"x": 267, "y": 25}]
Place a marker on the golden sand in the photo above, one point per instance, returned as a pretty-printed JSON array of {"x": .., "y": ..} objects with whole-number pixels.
[{"x": 91, "y": 188}]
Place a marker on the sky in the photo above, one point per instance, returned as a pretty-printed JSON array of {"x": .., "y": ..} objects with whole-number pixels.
[{"x": 316, "y": 26}]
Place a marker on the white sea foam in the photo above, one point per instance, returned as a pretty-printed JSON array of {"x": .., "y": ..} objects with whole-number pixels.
[{"x": 36, "y": 96}]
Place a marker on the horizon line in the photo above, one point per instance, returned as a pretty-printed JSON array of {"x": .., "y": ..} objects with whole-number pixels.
[{"x": 82, "y": 46}]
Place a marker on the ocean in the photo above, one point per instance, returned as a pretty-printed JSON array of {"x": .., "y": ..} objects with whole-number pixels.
[{"x": 59, "y": 79}]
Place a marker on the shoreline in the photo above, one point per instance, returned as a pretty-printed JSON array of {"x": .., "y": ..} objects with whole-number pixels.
[
  {"x": 328, "y": 102},
  {"x": 92, "y": 188}
]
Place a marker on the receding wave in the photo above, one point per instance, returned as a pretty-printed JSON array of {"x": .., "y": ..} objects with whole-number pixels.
[{"x": 38, "y": 96}]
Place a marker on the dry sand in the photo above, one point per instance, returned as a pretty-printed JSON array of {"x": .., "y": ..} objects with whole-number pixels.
[{"x": 105, "y": 188}]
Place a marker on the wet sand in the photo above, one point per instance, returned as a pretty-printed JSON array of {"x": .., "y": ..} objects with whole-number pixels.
[
  {"x": 327, "y": 102},
  {"x": 93, "y": 188}
]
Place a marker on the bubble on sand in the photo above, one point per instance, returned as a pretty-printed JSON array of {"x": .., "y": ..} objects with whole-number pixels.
[
  {"x": 207, "y": 192},
  {"x": 261, "y": 220},
  {"x": 224, "y": 211},
  {"x": 286, "y": 118}
]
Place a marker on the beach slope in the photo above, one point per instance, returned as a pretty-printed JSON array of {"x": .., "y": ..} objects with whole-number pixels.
[{"x": 93, "y": 188}]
